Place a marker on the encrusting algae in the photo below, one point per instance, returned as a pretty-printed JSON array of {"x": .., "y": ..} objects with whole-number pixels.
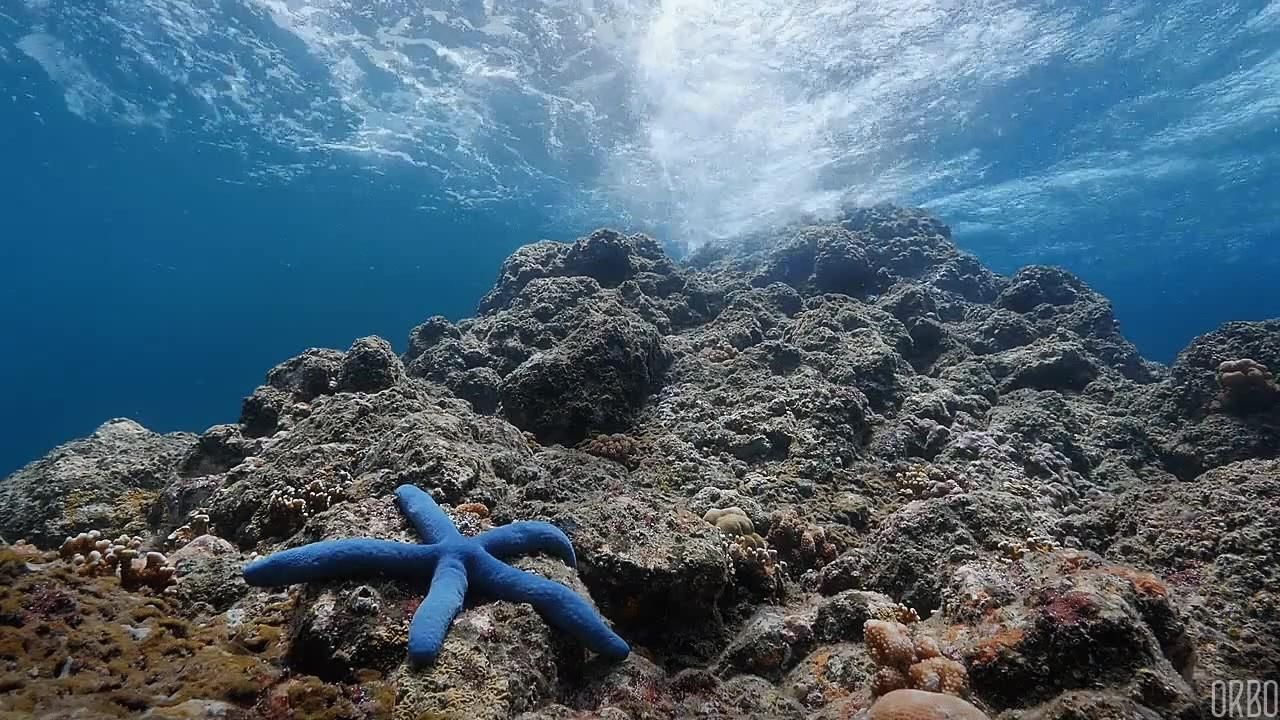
[{"x": 76, "y": 644}]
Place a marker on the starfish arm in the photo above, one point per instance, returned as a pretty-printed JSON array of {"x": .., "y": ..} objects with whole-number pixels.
[
  {"x": 525, "y": 537},
  {"x": 432, "y": 618},
  {"x": 558, "y": 605},
  {"x": 427, "y": 517},
  {"x": 340, "y": 559}
]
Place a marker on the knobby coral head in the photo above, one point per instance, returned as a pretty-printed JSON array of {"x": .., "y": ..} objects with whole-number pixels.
[{"x": 454, "y": 564}]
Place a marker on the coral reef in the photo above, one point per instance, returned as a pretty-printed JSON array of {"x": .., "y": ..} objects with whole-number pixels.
[{"x": 836, "y": 470}]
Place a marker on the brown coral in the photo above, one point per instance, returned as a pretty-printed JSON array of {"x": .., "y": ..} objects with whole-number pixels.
[
  {"x": 617, "y": 447},
  {"x": 1247, "y": 385},
  {"x": 906, "y": 662},
  {"x": 927, "y": 647},
  {"x": 888, "y": 679},
  {"x": 474, "y": 508},
  {"x": 289, "y": 506},
  {"x": 756, "y": 565},
  {"x": 730, "y": 520},
  {"x": 920, "y": 705},
  {"x": 889, "y": 643},
  {"x": 940, "y": 675},
  {"x": 800, "y": 543},
  {"x": 922, "y": 480},
  {"x": 152, "y": 571},
  {"x": 198, "y": 525}
]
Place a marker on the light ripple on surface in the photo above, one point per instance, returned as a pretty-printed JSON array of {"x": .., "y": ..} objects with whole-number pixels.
[{"x": 705, "y": 117}]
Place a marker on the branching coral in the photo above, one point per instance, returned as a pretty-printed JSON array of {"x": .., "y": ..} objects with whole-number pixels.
[
  {"x": 756, "y": 564},
  {"x": 1034, "y": 544},
  {"x": 94, "y": 555},
  {"x": 198, "y": 525},
  {"x": 291, "y": 505},
  {"x": 921, "y": 481},
  {"x": 753, "y": 560},
  {"x": 799, "y": 542}
]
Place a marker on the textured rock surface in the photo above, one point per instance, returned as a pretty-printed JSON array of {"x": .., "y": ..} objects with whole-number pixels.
[
  {"x": 906, "y": 438},
  {"x": 100, "y": 482}
]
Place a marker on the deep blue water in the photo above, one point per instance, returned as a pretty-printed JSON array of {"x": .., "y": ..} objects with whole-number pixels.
[
  {"x": 135, "y": 283},
  {"x": 169, "y": 235}
]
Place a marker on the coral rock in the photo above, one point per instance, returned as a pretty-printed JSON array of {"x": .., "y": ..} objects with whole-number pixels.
[
  {"x": 370, "y": 366},
  {"x": 1247, "y": 385},
  {"x": 889, "y": 643},
  {"x": 920, "y": 705}
]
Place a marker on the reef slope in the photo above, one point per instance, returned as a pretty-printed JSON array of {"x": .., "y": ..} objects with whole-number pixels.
[{"x": 755, "y": 451}]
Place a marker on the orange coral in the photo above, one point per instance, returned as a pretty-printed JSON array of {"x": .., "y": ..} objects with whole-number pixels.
[
  {"x": 990, "y": 649},
  {"x": 474, "y": 508},
  {"x": 1144, "y": 584}
]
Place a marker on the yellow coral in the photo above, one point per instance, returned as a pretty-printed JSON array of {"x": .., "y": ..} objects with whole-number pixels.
[{"x": 921, "y": 705}]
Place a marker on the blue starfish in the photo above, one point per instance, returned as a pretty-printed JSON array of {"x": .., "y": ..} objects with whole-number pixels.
[{"x": 454, "y": 563}]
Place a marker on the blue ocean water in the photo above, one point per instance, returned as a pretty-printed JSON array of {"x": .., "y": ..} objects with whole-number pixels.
[{"x": 196, "y": 191}]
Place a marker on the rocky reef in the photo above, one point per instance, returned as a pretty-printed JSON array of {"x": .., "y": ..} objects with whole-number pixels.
[{"x": 835, "y": 471}]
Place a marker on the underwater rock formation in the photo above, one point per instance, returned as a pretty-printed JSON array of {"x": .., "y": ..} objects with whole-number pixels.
[
  {"x": 104, "y": 482},
  {"x": 801, "y": 472}
]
